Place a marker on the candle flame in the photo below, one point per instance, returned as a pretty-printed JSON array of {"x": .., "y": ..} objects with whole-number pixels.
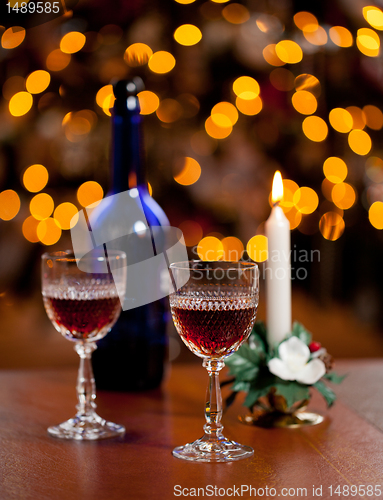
[{"x": 277, "y": 191}]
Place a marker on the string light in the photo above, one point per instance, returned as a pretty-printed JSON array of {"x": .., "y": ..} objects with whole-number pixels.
[
  {"x": 13, "y": 37},
  {"x": 187, "y": 35},
  {"x": 35, "y": 178},
  {"x": 190, "y": 172},
  {"x": 9, "y": 204},
  {"x": 90, "y": 193},
  {"x": 72, "y": 42}
]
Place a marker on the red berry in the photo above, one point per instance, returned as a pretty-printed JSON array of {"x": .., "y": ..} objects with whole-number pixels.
[{"x": 315, "y": 346}]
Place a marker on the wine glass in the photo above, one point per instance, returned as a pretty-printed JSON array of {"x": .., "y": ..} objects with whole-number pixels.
[
  {"x": 82, "y": 298},
  {"x": 213, "y": 311}
]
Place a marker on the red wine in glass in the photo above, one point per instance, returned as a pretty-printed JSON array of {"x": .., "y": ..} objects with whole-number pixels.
[
  {"x": 83, "y": 298},
  {"x": 81, "y": 318},
  {"x": 213, "y": 328},
  {"x": 213, "y": 304}
]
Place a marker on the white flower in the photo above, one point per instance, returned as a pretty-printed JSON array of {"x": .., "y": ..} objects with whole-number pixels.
[{"x": 293, "y": 363}]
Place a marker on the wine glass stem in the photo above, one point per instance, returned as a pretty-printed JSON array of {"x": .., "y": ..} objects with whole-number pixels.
[
  {"x": 86, "y": 387},
  {"x": 213, "y": 408}
]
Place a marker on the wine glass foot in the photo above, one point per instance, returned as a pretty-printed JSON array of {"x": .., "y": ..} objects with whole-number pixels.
[
  {"x": 86, "y": 427},
  {"x": 207, "y": 450}
]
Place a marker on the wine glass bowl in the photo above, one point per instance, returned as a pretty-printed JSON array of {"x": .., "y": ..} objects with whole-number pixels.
[
  {"x": 214, "y": 312},
  {"x": 82, "y": 298}
]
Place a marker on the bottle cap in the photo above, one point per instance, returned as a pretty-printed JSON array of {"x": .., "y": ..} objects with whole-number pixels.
[{"x": 127, "y": 88}]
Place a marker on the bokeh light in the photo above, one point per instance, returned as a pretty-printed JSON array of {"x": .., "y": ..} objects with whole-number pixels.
[
  {"x": 374, "y": 117},
  {"x": 12, "y": 37},
  {"x": 149, "y": 102},
  {"x": 137, "y": 54},
  {"x": 90, "y": 193},
  {"x": 185, "y": 2},
  {"x": 187, "y": 35},
  {"x": 20, "y": 103},
  {"x": 227, "y": 109},
  {"x": 72, "y": 42},
  {"x": 246, "y": 87},
  {"x": 48, "y": 231},
  {"x": 306, "y": 21},
  {"x": 343, "y": 195},
  {"x": 340, "y": 120},
  {"x": 9, "y": 204},
  {"x": 317, "y": 37},
  {"x": 161, "y": 62},
  {"x": 331, "y": 226},
  {"x": 35, "y": 178},
  {"x": 305, "y": 200},
  {"x": 216, "y": 131},
  {"x": 289, "y": 189},
  {"x": 190, "y": 171},
  {"x": 304, "y": 102},
  {"x": 210, "y": 249},
  {"x": 360, "y": 142},
  {"x": 233, "y": 249},
  {"x": 236, "y": 13},
  {"x": 315, "y": 128},
  {"x": 374, "y": 16},
  {"x": 375, "y": 214},
  {"x": 66, "y": 215},
  {"x": 335, "y": 169},
  {"x": 249, "y": 107},
  {"x": 327, "y": 189},
  {"x": 358, "y": 117},
  {"x": 78, "y": 125},
  {"x": 38, "y": 81},
  {"x": 29, "y": 229},
  {"x": 341, "y": 36},
  {"x": 57, "y": 60},
  {"x": 289, "y": 52},
  {"x": 271, "y": 57},
  {"x": 221, "y": 120},
  {"x": 105, "y": 98},
  {"x": 368, "y": 42},
  {"x": 41, "y": 206},
  {"x": 268, "y": 23},
  {"x": 192, "y": 232},
  {"x": 294, "y": 217},
  {"x": 308, "y": 82},
  {"x": 257, "y": 248}
]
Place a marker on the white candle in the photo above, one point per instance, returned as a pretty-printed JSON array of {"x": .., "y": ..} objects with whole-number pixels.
[{"x": 278, "y": 268}]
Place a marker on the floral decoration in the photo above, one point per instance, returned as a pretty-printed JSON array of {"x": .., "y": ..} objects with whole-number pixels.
[{"x": 280, "y": 375}]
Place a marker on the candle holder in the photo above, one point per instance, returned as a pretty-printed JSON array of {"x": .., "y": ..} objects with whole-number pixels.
[{"x": 278, "y": 378}]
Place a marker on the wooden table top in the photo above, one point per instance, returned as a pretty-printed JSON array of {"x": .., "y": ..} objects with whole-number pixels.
[{"x": 345, "y": 450}]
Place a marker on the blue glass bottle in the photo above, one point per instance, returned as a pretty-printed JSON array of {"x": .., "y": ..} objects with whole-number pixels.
[{"x": 131, "y": 356}]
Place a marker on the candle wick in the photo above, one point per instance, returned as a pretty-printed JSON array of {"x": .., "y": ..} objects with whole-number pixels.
[{"x": 276, "y": 203}]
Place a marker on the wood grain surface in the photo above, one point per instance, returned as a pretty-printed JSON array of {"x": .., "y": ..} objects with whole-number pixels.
[{"x": 344, "y": 450}]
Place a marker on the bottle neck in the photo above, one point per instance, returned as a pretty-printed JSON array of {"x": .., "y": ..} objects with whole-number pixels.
[{"x": 128, "y": 166}]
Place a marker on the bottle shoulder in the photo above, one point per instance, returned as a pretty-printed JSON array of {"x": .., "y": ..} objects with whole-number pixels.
[{"x": 127, "y": 208}]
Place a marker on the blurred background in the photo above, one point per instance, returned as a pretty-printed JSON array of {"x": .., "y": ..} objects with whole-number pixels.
[{"x": 234, "y": 92}]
